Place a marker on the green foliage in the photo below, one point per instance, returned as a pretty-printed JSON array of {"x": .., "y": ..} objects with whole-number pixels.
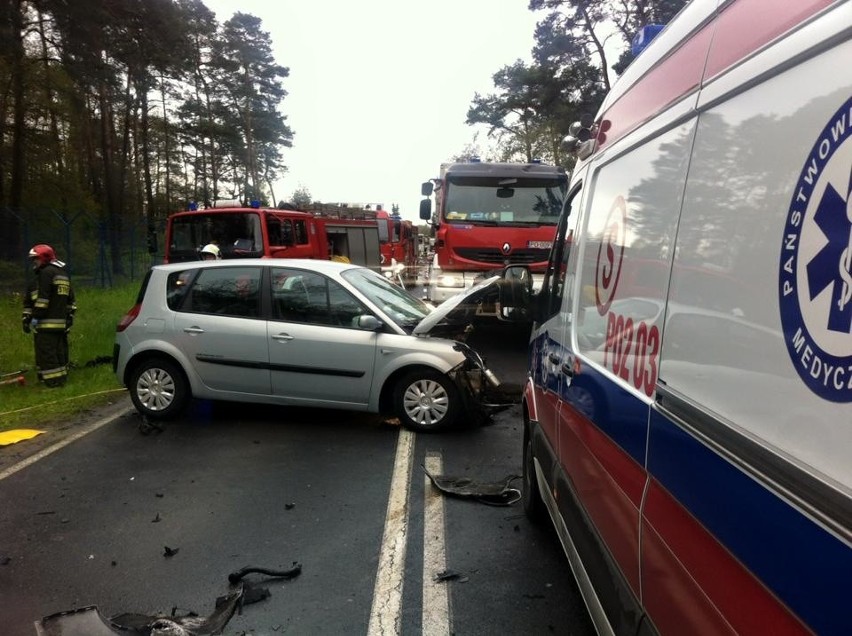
[
  {"x": 127, "y": 109},
  {"x": 533, "y": 105},
  {"x": 301, "y": 198},
  {"x": 90, "y": 381}
]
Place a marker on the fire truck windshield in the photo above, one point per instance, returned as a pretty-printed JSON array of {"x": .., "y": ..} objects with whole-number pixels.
[
  {"x": 488, "y": 202},
  {"x": 236, "y": 233}
]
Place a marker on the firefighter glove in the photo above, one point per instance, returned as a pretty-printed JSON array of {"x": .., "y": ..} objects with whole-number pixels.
[{"x": 25, "y": 323}]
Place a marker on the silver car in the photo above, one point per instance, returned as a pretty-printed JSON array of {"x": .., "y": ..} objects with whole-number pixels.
[{"x": 303, "y": 333}]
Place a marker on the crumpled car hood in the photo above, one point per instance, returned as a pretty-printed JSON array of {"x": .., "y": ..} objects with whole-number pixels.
[{"x": 457, "y": 310}]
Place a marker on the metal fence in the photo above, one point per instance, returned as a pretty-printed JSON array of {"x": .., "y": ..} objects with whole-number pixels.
[{"x": 95, "y": 254}]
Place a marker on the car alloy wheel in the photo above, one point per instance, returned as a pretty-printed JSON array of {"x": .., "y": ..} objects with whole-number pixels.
[
  {"x": 158, "y": 389},
  {"x": 426, "y": 401}
]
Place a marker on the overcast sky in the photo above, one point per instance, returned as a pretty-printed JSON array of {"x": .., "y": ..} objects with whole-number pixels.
[{"x": 379, "y": 89}]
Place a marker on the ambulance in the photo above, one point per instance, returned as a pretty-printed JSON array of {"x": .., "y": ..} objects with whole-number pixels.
[{"x": 688, "y": 416}]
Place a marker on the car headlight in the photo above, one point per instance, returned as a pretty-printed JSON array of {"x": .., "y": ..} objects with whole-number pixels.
[{"x": 448, "y": 280}]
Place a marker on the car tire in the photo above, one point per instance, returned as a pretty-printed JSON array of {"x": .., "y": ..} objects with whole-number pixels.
[
  {"x": 532, "y": 501},
  {"x": 158, "y": 388},
  {"x": 426, "y": 401}
]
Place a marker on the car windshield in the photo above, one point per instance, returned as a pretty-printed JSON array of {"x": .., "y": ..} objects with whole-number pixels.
[{"x": 402, "y": 307}]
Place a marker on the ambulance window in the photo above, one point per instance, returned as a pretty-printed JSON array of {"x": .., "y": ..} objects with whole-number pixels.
[{"x": 557, "y": 276}]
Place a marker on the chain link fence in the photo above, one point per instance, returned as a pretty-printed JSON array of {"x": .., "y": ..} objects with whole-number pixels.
[{"x": 95, "y": 252}]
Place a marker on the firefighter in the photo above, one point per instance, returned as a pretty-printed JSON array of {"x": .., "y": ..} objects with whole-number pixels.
[
  {"x": 211, "y": 252},
  {"x": 49, "y": 313}
]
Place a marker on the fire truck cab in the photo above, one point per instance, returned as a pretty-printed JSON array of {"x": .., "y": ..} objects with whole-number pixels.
[
  {"x": 253, "y": 231},
  {"x": 487, "y": 216}
]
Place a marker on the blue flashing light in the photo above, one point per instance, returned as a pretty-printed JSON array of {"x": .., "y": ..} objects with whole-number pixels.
[
  {"x": 643, "y": 38},
  {"x": 536, "y": 161},
  {"x": 475, "y": 160},
  {"x": 255, "y": 204},
  {"x": 193, "y": 206}
]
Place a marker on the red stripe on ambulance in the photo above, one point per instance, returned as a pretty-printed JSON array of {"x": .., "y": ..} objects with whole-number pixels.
[{"x": 681, "y": 559}]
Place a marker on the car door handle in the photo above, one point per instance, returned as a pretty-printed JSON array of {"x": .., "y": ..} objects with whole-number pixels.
[
  {"x": 569, "y": 367},
  {"x": 282, "y": 337},
  {"x": 554, "y": 359},
  {"x": 193, "y": 330}
]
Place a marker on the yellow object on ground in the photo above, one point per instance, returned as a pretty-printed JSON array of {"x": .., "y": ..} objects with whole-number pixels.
[{"x": 17, "y": 435}]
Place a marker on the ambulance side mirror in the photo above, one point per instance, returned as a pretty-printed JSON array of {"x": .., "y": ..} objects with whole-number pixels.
[{"x": 515, "y": 293}]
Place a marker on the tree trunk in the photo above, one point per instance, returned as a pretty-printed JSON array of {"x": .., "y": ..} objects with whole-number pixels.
[
  {"x": 166, "y": 150},
  {"x": 112, "y": 206},
  {"x": 54, "y": 120},
  {"x": 11, "y": 227}
]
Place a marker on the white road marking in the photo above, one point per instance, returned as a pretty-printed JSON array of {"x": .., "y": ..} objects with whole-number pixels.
[
  {"x": 385, "y": 616},
  {"x": 32, "y": 459},
  {"x": 436, "y": 598}
]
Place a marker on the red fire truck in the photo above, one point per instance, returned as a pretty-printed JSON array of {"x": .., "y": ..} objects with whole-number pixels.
[
  {"x": 487, "y": 216},
  {"x": 399, "y": 245},
  {"x": 253, "y": 231}
]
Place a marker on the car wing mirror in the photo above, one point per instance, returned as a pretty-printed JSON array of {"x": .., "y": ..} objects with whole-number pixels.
[{"x": 368, "y": 322}]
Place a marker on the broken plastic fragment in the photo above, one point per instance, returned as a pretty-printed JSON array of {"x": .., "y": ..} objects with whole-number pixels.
[
  {"x": 491, "y": 493},
  {"x": 451, "y": 575},
  {"x": 88, "y": 621}
]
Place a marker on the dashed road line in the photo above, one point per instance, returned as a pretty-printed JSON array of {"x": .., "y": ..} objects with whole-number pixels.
[
  {"x": 436, "y": 601},
  {"x": 385, "y": 616}
]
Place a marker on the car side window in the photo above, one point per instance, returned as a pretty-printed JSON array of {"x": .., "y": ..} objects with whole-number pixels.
[
  {"x": 177, "y": 284},
  {"x": 226, "y": 291},
  {"x": 311, "y": 298},
  {"x": 344, "y": 307}
]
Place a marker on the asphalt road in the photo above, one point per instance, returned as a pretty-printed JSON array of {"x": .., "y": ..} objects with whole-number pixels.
[{"x": 343, "y": 495}]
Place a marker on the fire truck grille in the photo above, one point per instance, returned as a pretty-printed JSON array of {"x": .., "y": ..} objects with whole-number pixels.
[{"x": 494, "y": 256}]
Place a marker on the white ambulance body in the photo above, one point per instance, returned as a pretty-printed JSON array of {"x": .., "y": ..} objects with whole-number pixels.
[{"x": 688, "y": 419}]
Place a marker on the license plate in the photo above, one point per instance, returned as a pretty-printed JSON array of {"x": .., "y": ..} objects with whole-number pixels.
[{"x": 540, "y": 245}]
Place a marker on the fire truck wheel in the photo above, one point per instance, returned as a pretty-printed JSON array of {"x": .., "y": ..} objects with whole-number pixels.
[
  {"x": 158, "y": 388},
  {"x": 533, "y": 503},
  {"x": 426, "y": 401}
]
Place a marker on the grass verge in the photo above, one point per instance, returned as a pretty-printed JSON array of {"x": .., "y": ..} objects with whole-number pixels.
[{"x": 91, "y": 382}]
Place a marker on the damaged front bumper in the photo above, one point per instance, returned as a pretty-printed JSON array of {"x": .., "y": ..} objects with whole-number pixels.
[{"x": 481, "y": 390}]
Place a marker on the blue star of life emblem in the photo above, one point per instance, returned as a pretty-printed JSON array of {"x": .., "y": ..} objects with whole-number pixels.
[
  {"x": 830, "y": 268},
  {"x": 815, "y": 273}
]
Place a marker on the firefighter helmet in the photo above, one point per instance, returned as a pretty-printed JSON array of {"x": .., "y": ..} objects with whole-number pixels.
[
  {"x": 211, "y": 250},
  {"x": 42, "y": 254}
]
